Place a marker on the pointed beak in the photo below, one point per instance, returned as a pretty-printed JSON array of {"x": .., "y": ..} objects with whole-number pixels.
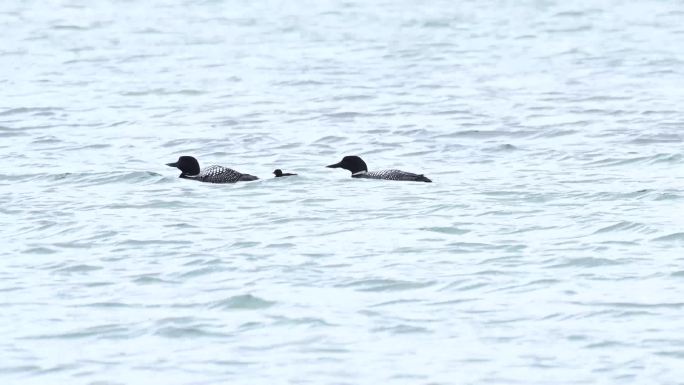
[
  {"x": 336, "y": 165},
  {"x": 175, "y": 164}
]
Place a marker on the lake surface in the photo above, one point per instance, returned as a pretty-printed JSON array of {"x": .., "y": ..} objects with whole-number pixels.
[{"x": 548, "y": 250}]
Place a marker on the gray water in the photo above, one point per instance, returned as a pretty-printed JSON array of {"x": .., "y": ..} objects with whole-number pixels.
[{"x": 548, "y": 250}]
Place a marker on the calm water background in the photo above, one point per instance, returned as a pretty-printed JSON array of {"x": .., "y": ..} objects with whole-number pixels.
[{"x": 548, "y": 250}]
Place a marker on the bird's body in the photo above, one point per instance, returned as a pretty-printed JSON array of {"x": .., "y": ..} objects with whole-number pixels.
[
  {"x": 391, "y": 175},
  {"x": 359, "y": 169},
  {"x": 220, "y": 174},
  {"x": 190, "y": 169}
]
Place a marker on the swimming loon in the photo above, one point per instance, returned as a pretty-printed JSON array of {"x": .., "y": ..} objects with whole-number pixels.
[
  {"x": 279, "y": 173},
  {"x": 190, "y": 169},
  {"x": 359, "y": 169}
]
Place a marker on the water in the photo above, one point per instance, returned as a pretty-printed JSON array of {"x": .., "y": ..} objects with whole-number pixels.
[{"x": 548, "y": 250}]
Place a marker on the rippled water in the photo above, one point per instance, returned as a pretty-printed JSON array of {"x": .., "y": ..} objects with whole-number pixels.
[{"x": 549, "y": 248}]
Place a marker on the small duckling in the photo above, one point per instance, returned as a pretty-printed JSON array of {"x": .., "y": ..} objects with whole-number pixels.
[{"x": 279, "y": 173}]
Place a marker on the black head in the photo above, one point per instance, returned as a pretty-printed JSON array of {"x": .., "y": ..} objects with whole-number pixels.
[
  {"x": 278, "y": 172},
  {"x": 187, "y": 164},
  {"x": 352, "y": 163}
]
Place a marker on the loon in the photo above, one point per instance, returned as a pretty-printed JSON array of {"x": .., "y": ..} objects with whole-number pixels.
[
  {"x": 279, "y": 173},
  {"x": 359, "y": 169},
  {"x": 190, "y": 169}
]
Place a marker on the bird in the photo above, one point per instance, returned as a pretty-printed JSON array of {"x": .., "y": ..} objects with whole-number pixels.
[
  {"x": 359, "y": 169},
  {"x": 190, "y": 169},
  {"x": 279, "y": 173}
]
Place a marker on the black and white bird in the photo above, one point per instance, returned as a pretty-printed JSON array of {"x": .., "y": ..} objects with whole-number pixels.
[
  {"x": 190, "y": 169},
  {"x": 279, "y": 173},
  {"x": 359, "y": 169}
]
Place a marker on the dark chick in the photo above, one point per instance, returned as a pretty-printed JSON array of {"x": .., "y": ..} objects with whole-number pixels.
[{"x": 279, "y": 173}]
